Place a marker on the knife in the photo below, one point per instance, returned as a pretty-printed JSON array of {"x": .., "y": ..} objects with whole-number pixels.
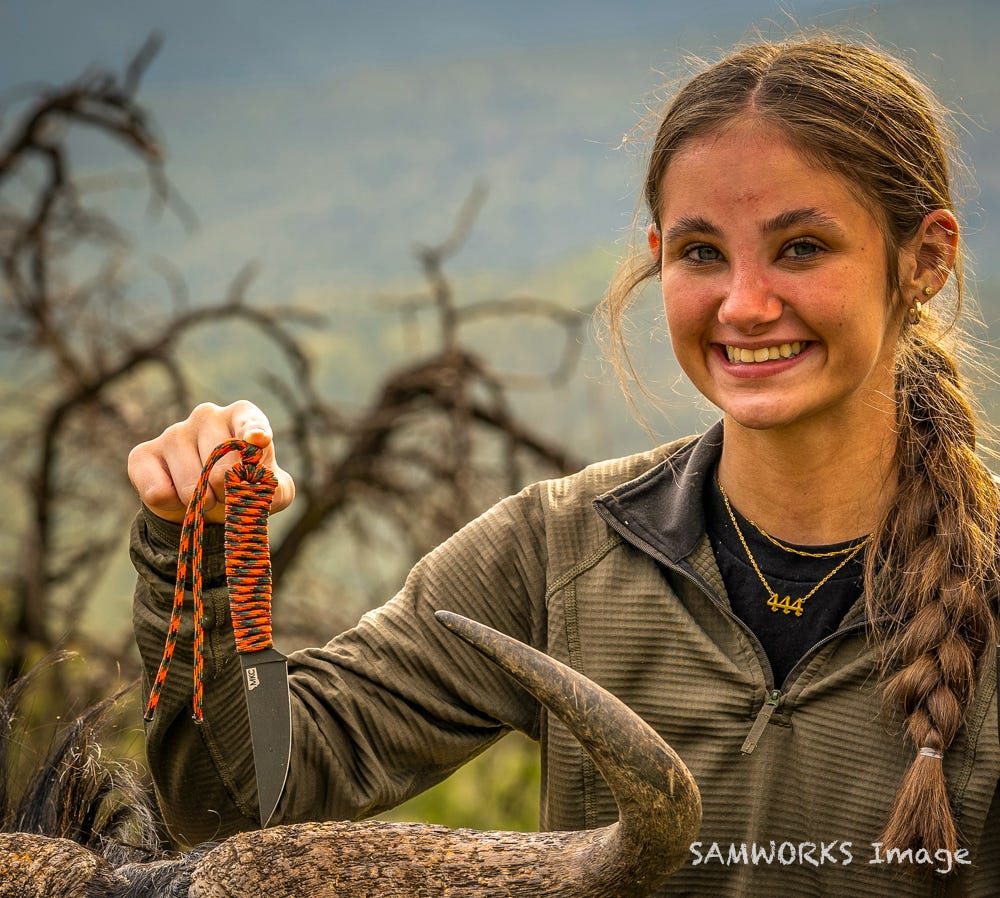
[
  {"x": 249, "y": 490},
  {"x": 265, "y": 683}
]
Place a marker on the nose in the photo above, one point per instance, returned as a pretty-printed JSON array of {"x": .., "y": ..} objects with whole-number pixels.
[{"x": 749, "y": 303}]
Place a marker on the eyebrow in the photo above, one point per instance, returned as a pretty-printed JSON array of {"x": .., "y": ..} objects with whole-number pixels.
[
  {"x": 798, "y": 217},
  {"x": 690, "y": 224},
  {"x": 808, "y": 216}
]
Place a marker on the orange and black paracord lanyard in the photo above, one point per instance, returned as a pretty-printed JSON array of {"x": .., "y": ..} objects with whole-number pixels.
[{"x": 249, "y": 489}]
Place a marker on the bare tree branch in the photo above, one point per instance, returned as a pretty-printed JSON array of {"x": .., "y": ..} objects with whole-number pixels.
[{"x": 437, "y": 439}]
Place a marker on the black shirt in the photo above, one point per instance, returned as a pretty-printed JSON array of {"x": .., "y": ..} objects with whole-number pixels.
[{"x": 784, "y": 636}]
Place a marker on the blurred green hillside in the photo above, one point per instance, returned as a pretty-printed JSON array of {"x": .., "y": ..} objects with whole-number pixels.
[{"x": 384, "y": 155}]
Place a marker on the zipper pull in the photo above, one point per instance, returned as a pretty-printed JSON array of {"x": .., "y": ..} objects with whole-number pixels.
[{"x": 763, "y": 716}]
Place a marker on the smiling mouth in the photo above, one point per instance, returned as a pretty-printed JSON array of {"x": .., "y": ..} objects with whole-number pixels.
[{"x": 765, "y": 353}]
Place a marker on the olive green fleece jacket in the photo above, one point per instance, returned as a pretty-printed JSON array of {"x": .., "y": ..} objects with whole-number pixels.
[{"x": 610, "y": 571}]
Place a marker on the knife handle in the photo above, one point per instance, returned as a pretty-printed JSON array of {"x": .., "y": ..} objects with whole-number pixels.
[{"x": 250, "y": 487}]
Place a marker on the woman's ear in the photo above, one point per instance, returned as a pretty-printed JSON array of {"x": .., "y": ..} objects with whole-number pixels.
[
  {"x": 653, "y": 238},
  {"x": 928, "y": 259}
]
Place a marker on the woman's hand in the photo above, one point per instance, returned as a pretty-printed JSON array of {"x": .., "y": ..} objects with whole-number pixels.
[{"x": 165, "y": 470}]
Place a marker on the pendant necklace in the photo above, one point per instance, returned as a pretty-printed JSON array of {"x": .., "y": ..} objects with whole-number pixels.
[{"x": 787, "y": 605}]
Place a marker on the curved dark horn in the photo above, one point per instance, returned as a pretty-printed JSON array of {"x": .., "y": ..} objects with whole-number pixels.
[
  {"x": 659, "y": 806},
  {"x": 659, "y": 815}
]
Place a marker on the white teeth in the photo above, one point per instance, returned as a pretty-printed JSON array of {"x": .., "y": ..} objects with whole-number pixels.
[{"x": 764, "y": 353}]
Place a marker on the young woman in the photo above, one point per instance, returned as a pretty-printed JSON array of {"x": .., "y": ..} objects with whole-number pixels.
[{"x": 802, "y": 601}]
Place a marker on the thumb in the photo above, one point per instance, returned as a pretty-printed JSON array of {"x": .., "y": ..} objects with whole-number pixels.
[
  {"x": 250, "y": 424},
  {"x": 257, "y": 434}
]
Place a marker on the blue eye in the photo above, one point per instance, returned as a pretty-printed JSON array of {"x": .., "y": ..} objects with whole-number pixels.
[
  {"x": 801, "y": 248},
  {"x": 702, "y": 253}
]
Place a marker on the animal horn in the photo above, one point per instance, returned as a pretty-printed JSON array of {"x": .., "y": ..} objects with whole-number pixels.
[
  {"x": 659, "y": 804},
  {"x": 658, "y": 801}
]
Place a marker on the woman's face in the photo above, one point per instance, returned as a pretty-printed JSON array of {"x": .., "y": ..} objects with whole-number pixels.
[{"x": 774, "y": 284}]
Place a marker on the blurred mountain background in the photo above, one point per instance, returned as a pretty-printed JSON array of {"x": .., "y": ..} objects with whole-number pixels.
[{"x": 322, "y": 140}]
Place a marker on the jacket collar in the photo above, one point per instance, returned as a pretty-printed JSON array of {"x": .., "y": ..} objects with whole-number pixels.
[{"x": 662, "y": 509}]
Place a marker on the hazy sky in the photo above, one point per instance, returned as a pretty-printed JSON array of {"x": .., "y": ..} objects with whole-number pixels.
[
  {"x": 324, "y": 138},
  {"x": 257, "y": 40}
]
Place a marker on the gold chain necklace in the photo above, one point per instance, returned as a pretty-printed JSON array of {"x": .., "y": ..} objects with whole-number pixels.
[
  {"x": 774, "y": 541},
  {"x": 786, "y": 605}
]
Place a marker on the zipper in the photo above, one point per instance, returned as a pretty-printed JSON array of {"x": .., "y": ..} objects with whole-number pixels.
[
  {"x": 774, "y": 695},
  {"x": 633, "y": 539},
  {"x": 760, "y": 722},
  {"x": 836, "y": 634}
]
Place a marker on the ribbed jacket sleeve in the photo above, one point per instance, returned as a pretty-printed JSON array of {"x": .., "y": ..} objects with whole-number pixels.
[{"x": 380, "y": 713}]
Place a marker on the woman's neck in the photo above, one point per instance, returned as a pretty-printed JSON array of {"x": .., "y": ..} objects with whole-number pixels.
[{"x": 809, "y": 488}]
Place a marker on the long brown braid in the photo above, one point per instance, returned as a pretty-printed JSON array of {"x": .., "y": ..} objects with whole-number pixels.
[
  {"x": 931, "y": 581},
  {"x": 931, "y": 571}
]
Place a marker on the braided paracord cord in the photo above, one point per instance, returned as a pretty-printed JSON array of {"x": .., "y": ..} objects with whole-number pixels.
[{"x": 249, "y": 490}]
